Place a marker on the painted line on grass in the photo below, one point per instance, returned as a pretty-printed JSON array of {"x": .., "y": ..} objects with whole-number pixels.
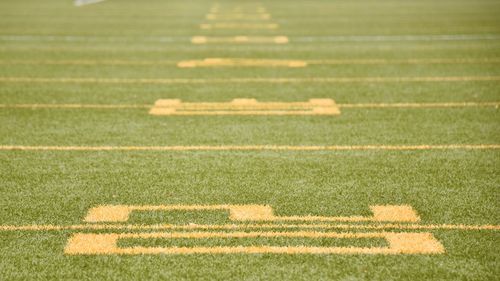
[
  {"x": 303, "y": 39},
  {"x": 129, "y": 227},
  {"x": 238, "y": 26},
  {"x": 249, "y": 62},
  {"x": 240, "y": 40},
  {"x": 284, "y": 80},
  {"x": 256, "y": 147},
  {"x": 341, "y": 105}
]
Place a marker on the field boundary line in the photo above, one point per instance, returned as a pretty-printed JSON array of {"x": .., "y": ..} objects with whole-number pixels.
[
  {"x": 80, "y": 3},
  {"x": 255, "y": 147},
  {"x": 114, "y": 226},
  {"x": 283, "y": 80}
]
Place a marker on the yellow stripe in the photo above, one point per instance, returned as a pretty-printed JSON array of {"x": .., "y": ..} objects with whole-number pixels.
[
  {"x": 94, "y": 80},
  {"x": 342, "y": 105},
  {"x": 238, "y": 26},
  {"x": 115, "y": 226},
  {"x": 254, "y": 147}
]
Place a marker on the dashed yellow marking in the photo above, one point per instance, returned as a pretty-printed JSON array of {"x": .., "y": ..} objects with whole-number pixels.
[
  {"x": 223, "y": 62},
  {"x": 238, "y": 16},
  {"x": 340, "y": 105},
  {"x": 126, "y": 227},
  {"x": 106, "y": 244},
  {"x": 240, "y": 40},
  {"x": 245, "y": 107},
  {"x": 121, "y": 213},
  {"x": 238, "y": 26},
  {"x": 287, "y": 80},
  {"x": 255, "y": 147}
]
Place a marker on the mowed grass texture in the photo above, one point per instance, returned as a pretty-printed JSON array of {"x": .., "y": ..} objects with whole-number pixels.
[{"x": 86, "y": 77}]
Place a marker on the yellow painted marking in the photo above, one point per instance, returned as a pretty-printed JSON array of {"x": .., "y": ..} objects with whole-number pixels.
[
  {"x": 121, "y": 213},
  {"x": 256, "y": 147},
  {"x": 238, "y": 16},
  {"x": 245, "y": 107},
  {"x": 305, "y": 62},
  {"x": 341, "y": 105},
  {"x": 167, "y": 81},
  {"x": 240, "y": 39},
  {"x": 126, "y": 227},
  {"x": 106, "y": 244},
  {"x": 223, "y": 62},
  {"x": 238, "y": 26}
]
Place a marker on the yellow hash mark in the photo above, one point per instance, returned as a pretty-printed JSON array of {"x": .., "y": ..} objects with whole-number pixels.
[
  {"x": 380, "y": 226},
  {"x": 167, "y": 81},
  {"x": 256, "y": 147},
  {"x": 245, "y": 107},
  {"x": 240, "y": 40},
  {"x": 238, "y": 26},
  {"x": 120, "y": 213},
  {"x": 223, "y": 62},
  {"x": 106, "y": 244},
  {"x": 341, "y": 105}
]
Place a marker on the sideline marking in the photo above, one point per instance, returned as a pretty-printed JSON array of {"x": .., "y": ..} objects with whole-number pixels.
[
  {"x": 399, "y": 243},
  {"x": 226, "y": 62},
  {"x": 381, "y": 213},
  {"x": 240, "y": 39},
  {"x": 239, "y": 26},
  {"x": 255, "y": 147},
  {"x": 126, "y": 227},
  {"x": 163, "y": 81},
  {"x": 80, "y": 3},
  {"x": 245, "y": 107}
]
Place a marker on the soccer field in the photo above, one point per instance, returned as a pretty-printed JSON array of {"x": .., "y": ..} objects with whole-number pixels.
[{"x": 249, "y": 140}]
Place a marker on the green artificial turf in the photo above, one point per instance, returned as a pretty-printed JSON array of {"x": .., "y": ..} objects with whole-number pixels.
[{"x": 445, "y": 187}]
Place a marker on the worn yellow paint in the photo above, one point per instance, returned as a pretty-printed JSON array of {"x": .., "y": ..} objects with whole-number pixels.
[
  {"x": 340, "y": 105},
  {"x": 120, "y": 213},
  {"x": 141, "y": 227},
  {"x": 256, "y": 147},
  {"x": 106, "y": 244},
  {"x": 232, "y": 62},
  {"x": 238, "y": 16},
  {"x": 245, "y": 107},
  {"x": 284, "y": 80},
  {"x": 87, "y": 62},
  {"x": 233, "y": 25},
  {"x": 240, "y": 40}
]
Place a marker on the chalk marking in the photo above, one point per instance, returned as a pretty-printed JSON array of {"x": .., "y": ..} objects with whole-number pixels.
[
  {"x": 210, "y": 26},
  {"x": 284, "y": 80},
  {"x": 245, "y": 107},
  {"x": 227, "y": 62},
  {"x": 121, "y": 213},
  {"x": 256, "y": 147},
  {"x": 80, "y": 3},
  {"x": 235, "y": 16},
  {"x": 399, "y": 243},
  {"x": 240, "y": 40},
  {"x": 128, "y": 227}
]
